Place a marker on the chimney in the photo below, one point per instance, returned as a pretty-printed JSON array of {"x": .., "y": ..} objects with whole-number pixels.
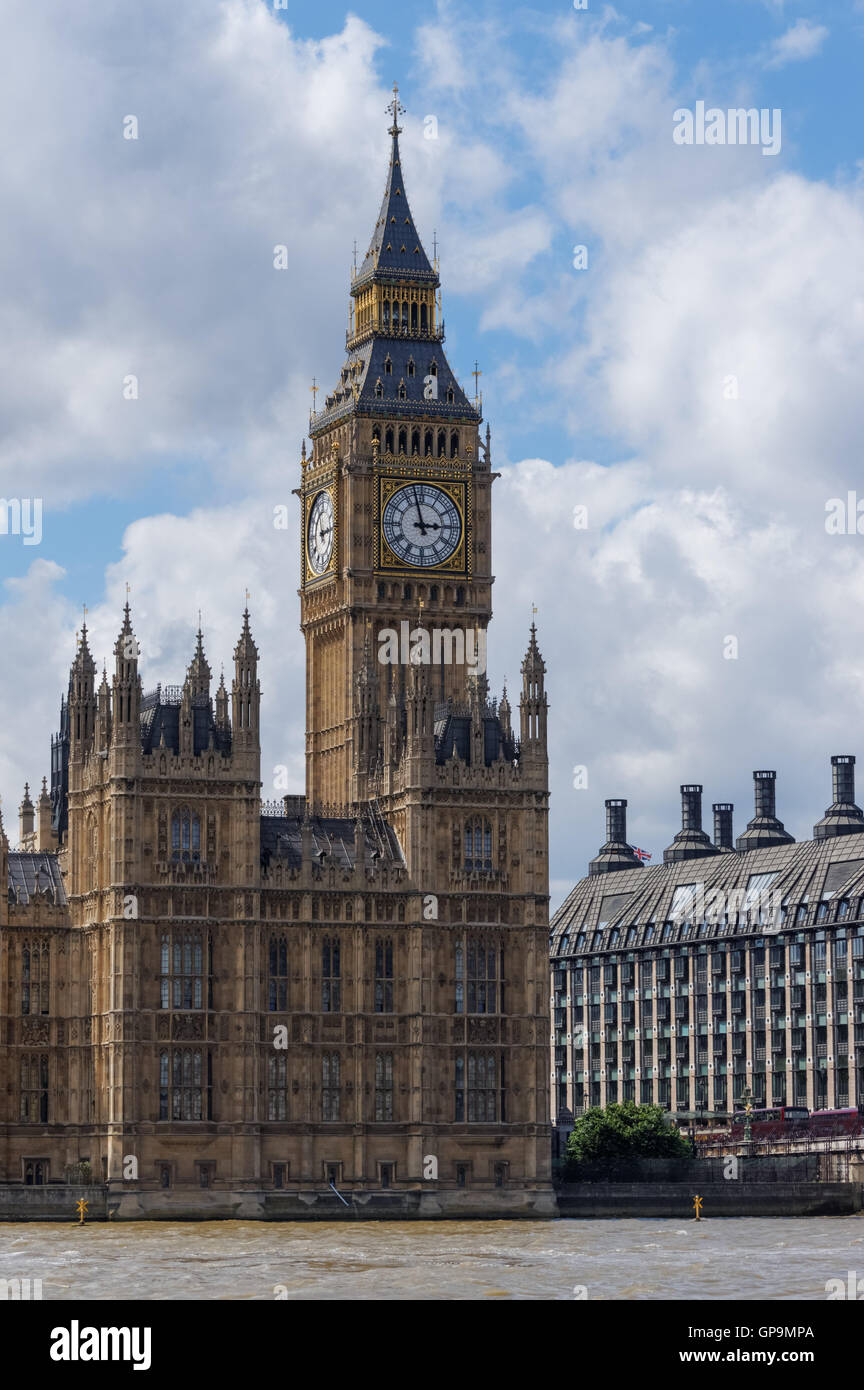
[
  {"x": 616, "y": 853},
  {"x": 764, "y": 829},
  {"x": 723, "y": 825},
  {"x": 691, "y": 842},
  {"x": 843, "y": 817}
]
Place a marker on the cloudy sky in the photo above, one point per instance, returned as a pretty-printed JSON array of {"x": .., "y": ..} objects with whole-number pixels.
[{"x": 692, "y": 392}]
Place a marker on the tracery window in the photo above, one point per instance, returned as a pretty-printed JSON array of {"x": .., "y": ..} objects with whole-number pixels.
[
  {"x": 383, "y": 976},
  {"x": 278, "y": 974},
  {"x": 35, "y": 977},
  {"x": 185, "y": 1084},
  {"x": 277, "y": 1086},
  {"x": 34, "y": 1088},
  {"x": 331, "y": 976},
  {"x": 185, "y": 836},
  {"x": 186, "y": 970},
  {"x": 383, "y": 1086},
  {"x": 331, "y": 1086}
]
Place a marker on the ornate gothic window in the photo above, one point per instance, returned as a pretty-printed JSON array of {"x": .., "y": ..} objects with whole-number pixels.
[
  {"x": 277, "y": 1086},
  {"x": 185, "y": 836},
  {"x": 403, "y": 441},
  {"x": 388, "y": 365},
  {"x": 331, "y": 973},
  {"x": 388, "y": 440},
  {"x": 442, "y": 444},
  {"x": 383, "y": 976},
  {"x": 35, "y": 978},
  {"x": 379, "y": 392},
  {"x": 411, "y": 368},
  {"x": 482, "y": 1088},
  {"x": 185, "y": 1084},
  {"x": 331, "y": 1086},
  {"x": 428, "y": 444},
  {"x": 34, "y": 1088},
  {"x": 459, "y": 1006},
  {"x": 383, "y": 1086},
  {"x": 478, "y": 845},
  {"x": 278, "y": 970},
  {"x": 402, "y": 393},
  {"x": 454, "y": 437},
  {"x": 186, "y": 974}
]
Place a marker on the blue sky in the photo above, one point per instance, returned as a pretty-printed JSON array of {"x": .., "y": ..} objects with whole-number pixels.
[{"x": 603, "y": 387}]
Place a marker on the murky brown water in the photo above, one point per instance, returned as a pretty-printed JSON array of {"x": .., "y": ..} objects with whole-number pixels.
[{"x": 647, "y": 1259}]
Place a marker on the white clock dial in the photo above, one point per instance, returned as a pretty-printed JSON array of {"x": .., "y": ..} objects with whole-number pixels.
[
  {"x": 421, "y": 524},
  {"x": 319, "y": 536}
]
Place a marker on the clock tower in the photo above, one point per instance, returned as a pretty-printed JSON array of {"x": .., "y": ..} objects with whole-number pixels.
[{"x": 396, "y": 581}]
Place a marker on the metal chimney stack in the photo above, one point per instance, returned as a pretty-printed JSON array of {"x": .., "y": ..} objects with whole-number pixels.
[
  {"x": 723, "y": 839},
  {"x": 691, "y": 842},
  {"x": 764, "y": 829},
  {"x": 616, "y": 854},
  {"x": 843, "y": 817}
]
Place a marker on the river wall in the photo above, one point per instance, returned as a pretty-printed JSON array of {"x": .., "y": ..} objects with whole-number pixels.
[{"x": 583, "y": 1201}]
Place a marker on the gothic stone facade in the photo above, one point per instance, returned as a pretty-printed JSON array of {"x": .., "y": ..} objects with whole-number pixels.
[{"x": 219, "y": 1004}]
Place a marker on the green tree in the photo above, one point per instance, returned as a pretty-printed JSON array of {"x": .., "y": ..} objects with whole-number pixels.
[{"x": 627, "y": 1130}]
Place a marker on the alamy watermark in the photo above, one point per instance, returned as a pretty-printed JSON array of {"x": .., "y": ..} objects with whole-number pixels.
[
  {"x": 22, "y": 516},
  {"x": 437, "y": 646},
  {"x": 737, "y": 126}
]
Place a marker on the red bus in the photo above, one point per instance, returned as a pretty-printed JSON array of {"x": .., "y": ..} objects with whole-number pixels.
[
  {"x": 778, "y": 1122},
  {"x": 833, "y": 1124}
]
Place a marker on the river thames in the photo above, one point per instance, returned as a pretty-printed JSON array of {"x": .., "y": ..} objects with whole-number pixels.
[{"x": 458, "y": 1260}]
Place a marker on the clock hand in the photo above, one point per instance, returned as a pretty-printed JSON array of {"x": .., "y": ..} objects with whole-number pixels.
[{"x": 419, "y": 522}]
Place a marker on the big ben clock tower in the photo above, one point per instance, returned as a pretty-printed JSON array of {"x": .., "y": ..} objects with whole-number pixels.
[{"x": 396, "y": 580}]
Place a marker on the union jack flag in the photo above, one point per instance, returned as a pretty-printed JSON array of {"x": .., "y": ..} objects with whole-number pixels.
[{"x": 641, "y": 853}]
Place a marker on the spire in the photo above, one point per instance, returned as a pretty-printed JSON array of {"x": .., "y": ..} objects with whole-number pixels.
[
  {"x": 245, "y": 691},
  {"x": 533, "y": 705},
  {"x": 26, "y": 819},
  {"x": 395, "y": 248},
  {"x": 199, "y": 673}
]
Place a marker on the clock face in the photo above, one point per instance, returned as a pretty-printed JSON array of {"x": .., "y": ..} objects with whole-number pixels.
[
  {"x": 421, "y": 524},
  {"x": 319, "y": 535}
]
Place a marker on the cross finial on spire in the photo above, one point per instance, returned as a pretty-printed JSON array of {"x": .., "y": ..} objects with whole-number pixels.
[{"x": 397, "y": 109}]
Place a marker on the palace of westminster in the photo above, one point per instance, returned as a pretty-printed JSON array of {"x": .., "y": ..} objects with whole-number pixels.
[{"x": 341, "y": 1003}]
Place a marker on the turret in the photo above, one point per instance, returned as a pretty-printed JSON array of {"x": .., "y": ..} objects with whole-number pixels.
[
  {"x": 533, "y": 705},
  {"x": 46, "y": 838},
  {"x": 26, "y": 820},
  {"x": 222, "y": 720},
  {"x": 103, "y": 715},
  {"x": 199, "y": 674},
  {"x": 82, "y": 699},
  {"x": 4, "y": 872},
  {"x": 126, "y": 703},
  {"x": 246, "y": 694}
]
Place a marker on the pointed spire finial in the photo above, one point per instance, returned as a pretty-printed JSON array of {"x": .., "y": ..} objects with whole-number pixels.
[{"x": 397, "y": 109}]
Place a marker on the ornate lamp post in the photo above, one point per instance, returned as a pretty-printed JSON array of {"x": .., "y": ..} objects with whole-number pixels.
[{"x": 746, "y": 1098}]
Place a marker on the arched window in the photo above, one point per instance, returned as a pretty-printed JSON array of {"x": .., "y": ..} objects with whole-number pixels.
[
  {"x": 460, "y": 980},
  {"x": 411, "y": 368},
  {"x": 185, "y": 1084},
  {"x": 433, "y": 593},
  {"x": 478, "y": 845},
  {"x": 376, "y": 434},
  {"x": 414, "y": 317},
  {"x": 185, "y": 836},
  {"x": 415, "y": 441},
  {"x": 186, "y": 967},
  {"x": 433, "y": 368},
  {"x": 402, "y": 392},
  {"x": 388, "y": 440},
  {"x": 428, "y": 444},
  {"x": 388, "y": 366},
  {"x": 442, "y": 444},
  {"x": 379, "y": 392},
  {"x": 454, "y": 444},
  {"x": 405, "y": 313},
  {"x": 460, "y": 595},
  {"x": 403, "y": 441},
  {"x": 35, "y": 978},
  {"x": 385, "y": 313},
  {"x": 424, "y": 318}
]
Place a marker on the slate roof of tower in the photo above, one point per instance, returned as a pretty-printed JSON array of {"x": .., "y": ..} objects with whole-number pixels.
[
  {"x": 396, "y": 248},
  {"x": 281, "y": 839},
  {"x": 808, "y": 873},
  {"x": 160, "y": 715},
  {"x": 366, "y": 364},
  {"x": 32, "y": 874}
]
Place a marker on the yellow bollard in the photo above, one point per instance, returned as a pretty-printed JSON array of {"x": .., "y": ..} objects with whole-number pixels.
[
  {"x": 697, "y": 1203},
  {"x": 81, "y": 1206}
]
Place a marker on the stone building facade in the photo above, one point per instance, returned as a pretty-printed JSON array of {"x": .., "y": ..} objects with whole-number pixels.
[{"x": 215, "y": 1004}]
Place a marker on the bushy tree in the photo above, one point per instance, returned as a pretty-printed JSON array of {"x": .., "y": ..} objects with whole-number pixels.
[{"x": 627, "y": 1130}]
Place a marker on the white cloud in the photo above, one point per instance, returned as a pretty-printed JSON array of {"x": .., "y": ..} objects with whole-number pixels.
[{"x": 802, "y": 40}]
